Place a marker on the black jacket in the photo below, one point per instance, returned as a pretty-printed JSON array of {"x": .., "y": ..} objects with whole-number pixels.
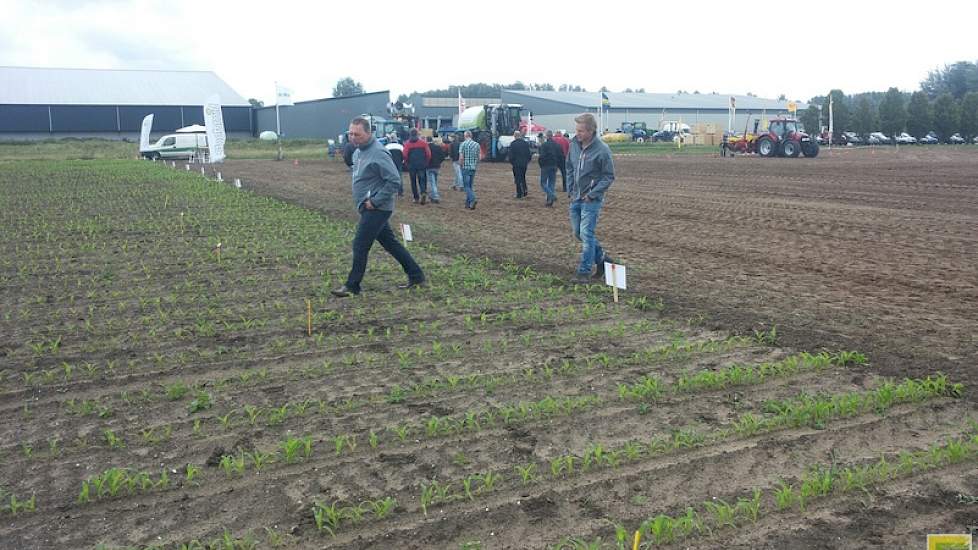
[
  {"x": 519, "y": 152},
  {"x": 456, "y": 143},
  {"x": 348, "y": 149},
  {"x": 437, "y": 156},
  {"x": 551, "y": 155}
]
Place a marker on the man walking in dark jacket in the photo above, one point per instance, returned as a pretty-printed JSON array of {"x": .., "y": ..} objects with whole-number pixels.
[
  {"x": 519, "y": 157},
  {"x": 416, "y": 156},
  {"x": 396, "y": 151},
  {"x": 550, "y": 157},
  {"x": 431, "y": 174},
  {"x": 564, "y": 148},
  {"x": 375, "y": 184}
]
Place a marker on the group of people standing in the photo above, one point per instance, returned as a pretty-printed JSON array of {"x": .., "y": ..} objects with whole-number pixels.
[
  {"x": 553, "y": 154},
  {"x": 585, "y": 163}
]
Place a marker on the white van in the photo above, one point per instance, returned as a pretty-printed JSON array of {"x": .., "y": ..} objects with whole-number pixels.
[{"x": 176, "y": 146}]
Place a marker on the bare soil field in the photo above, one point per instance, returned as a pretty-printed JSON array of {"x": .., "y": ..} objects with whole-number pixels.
[
  {"x": 174, "y": 373},
  {"x": 873, "y": 248}
]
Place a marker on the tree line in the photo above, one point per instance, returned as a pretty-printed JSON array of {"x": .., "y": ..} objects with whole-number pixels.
[{"x": 946, "y": 103}]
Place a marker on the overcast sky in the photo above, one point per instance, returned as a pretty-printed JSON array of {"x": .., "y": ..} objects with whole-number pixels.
[{"x": 727, "y": 47}]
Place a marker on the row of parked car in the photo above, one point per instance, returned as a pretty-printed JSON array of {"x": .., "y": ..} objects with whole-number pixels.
[{"x": 879, "y": 138}]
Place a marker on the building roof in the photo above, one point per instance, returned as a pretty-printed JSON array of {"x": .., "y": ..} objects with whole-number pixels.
[
  {"x": 42, "y": 86},
  {"x": 621, "y": 100}
]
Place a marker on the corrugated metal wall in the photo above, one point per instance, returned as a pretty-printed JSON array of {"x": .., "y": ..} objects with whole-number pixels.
[
  {"x": 322, "y": 118},
  {"x": 65, "y": 120}
]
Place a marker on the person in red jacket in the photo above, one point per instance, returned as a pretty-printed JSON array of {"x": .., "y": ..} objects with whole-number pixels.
[
  {"x": 417, "y": 155},
  {"x": 564, "y": 143}
]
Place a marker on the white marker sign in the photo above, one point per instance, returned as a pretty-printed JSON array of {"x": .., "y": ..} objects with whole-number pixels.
[
  {"x": 614, "y": 275},
  {"x": 406, "y": 232}
]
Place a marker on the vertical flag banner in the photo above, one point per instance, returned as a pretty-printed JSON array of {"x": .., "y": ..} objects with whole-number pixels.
[
  {"x": 461, "y": 102},
  {"x": 214, "y": 123},
  {"x": 144, "y": 132},
  {"x": 605, "y": 102}
]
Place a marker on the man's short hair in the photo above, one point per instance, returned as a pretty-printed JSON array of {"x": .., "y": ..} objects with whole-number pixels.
[
  {"x": 468, "y": 134},
  {"x": 517, "y": 134},
  {"x": 550, "y": 134},
  {"x": 362, "y": 122},
  {"x": 587, "y": 119}
]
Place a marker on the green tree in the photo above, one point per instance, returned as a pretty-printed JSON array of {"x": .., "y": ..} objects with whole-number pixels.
[
  {"x": 919, "y": 119},
  {"x": 809, "y": 119},
  {"x": 945, "y": 115},
  {"x": 347, "y": 87},
  {"x": 864, "y": 119},
  {"x": 969, "y": 115},
  {"x": 255, "y": 104},
  {"x": 893, "y": 115},
  {"x": 957, "y": 80}
]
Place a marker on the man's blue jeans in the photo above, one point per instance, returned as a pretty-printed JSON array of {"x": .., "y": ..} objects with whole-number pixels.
[
  {"x": 458, "y": 173},
  {"x": 584, "y": 220},
  {"x": 432, "y": 176},
  {"x": 468, "y": 182},
  {"x": 373, "y": 226},
  {"x": 548, "y": 179}
]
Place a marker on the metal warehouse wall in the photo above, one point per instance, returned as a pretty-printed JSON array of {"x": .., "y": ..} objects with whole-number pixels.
[
  {"x": 103, "y": 120},
  {"x": 322, "y": 118},
  {"x": 654, "y": 118}
]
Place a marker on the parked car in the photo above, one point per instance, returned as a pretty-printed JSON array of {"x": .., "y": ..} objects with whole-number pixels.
[
  {"x": 878, "y": 138},
  {"x": 176, "y": 146},
  {"x": 850, "y": 138},
  {"x": 975, "y": 141},
  {"x": 930, "y": 139},
  {"x": 905, "y": 139},
  {"x": 955, "y": 139}
]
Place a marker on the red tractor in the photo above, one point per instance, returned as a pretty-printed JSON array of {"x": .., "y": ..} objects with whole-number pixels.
[{"x": 782, "y": 138}]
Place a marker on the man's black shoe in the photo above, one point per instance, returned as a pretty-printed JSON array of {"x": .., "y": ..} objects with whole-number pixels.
[
  {"x": 412, "y": 284},
  {"x": 343, "y": 292},
  {"x": 473, "y": 205},
  {"x": 424, "y": 198},
  {"x": 599, "y": 272}
]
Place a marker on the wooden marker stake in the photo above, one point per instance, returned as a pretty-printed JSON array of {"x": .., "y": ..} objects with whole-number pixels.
[
  {"x": 166, "y": 200},
  {"x": 308, "y": 316}
]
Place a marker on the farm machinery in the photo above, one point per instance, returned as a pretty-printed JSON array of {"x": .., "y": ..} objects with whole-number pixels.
[
  {"x": 783, "y": 137},
  {"x": 492, "y": 127}
]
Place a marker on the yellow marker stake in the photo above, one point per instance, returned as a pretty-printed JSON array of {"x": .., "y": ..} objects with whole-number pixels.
[
  {"x": 638, "y": 537},
  {"x": 309, "y": 316}
]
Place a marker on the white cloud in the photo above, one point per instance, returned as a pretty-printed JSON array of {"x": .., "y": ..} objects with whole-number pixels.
[{"x": 706, "y": 46}]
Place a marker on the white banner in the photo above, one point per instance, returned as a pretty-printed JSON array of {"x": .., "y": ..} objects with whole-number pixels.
[
  {"x": 144, "y": 133},
  {"x": 214, "y": 122},
  {"x": 283, "y": 96}
]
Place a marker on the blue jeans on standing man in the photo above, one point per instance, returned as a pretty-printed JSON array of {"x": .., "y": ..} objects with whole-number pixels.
[
  {"x": 468, "y": 182},
  {"x": 584, "y": 220},
  {"x": 548, "y": 179},
  {"x": 432, "y": 175},
  {"x": 458, "y": 173},
  {"x": 372, "y": 227}
]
